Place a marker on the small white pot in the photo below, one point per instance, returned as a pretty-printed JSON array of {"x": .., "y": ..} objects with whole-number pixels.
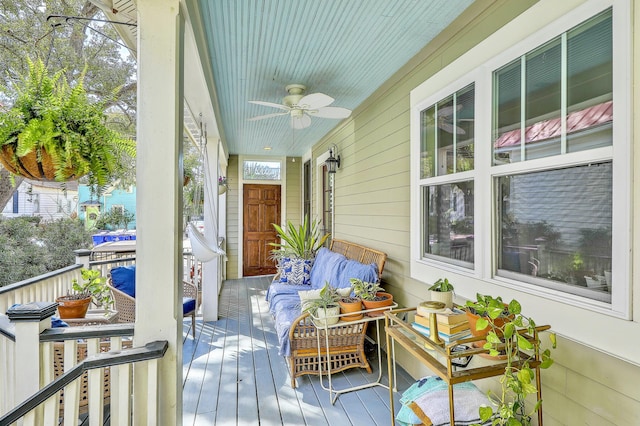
[
  {"x": 327, "y": 316},
  {"x": 445, "y": 297}
]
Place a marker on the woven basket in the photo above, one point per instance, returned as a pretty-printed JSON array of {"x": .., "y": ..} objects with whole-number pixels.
[{"x": 30, "y": 167}]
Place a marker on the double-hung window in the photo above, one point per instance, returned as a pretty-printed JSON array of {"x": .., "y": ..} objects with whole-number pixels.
[
  {"x": 552, "y": 126},
  {"x": 447, "y": 178},
  {"x": 522, "y": 171}
]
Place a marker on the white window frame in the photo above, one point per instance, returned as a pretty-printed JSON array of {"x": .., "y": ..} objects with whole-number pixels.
[
  {"x": 470, "y": 175},
  {"x": 471, "y": 67}
]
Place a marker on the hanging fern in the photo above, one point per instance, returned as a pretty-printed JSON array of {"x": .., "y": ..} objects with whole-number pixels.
[{"x": 60, "y": 124}]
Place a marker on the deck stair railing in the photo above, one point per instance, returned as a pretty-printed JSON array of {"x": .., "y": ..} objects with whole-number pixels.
[
  {"x": 43, "y": 290},
  {"x": 36, "y": 395}
]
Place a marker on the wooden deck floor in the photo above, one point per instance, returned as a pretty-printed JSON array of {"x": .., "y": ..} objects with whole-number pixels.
[{"x": 233, "y": 374}]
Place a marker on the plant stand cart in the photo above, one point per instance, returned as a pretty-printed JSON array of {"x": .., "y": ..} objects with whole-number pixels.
[
  {"x": 438, "y": 357},
  {"x": 327, "y": 334}
]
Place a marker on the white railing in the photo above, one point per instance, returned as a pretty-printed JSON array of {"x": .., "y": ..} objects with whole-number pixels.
[
  {"x": 75, "y": 362},
  {"x": 7, "y": 365},
  {"x": 13, "y": 355},
  {"x": 41, "y": 288}
]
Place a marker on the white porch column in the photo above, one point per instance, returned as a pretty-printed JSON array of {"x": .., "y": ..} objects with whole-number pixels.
[
  {"x": 210, "y": 275},
  {"x": 30, "y": 320},
  {"x": 159, "y": 204}
]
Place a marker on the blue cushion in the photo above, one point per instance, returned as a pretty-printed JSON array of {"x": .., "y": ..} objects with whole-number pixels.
[
  {"x": 295, "y": 271},
  {"x": 124, "y": 279},
  {"x": 326, "y": 267},
  {"x": 188, "y": 305},
  {"x": 57, "y": 322},
  {"x": 355, "y": 269}
]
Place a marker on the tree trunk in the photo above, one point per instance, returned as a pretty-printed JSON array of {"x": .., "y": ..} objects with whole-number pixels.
[{"x": 6, "y": 187}]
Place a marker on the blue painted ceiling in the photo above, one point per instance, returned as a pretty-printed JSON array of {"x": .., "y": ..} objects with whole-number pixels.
[{"x": 344, "y": 48}]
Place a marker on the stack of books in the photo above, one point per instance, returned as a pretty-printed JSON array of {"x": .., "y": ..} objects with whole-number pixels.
[{"x": 452, "y": 324}]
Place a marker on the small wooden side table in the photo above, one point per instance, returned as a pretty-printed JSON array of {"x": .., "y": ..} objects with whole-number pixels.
[{"x": 94, "y": 317}]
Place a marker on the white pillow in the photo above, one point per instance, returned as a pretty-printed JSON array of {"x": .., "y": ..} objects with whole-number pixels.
[
  {"x": 315, "y": 294},
  {"x": 309, "y": 294},
  {"x": 344, "y": 292}
]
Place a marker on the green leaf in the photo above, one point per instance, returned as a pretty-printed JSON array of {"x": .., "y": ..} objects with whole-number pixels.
[
  {"x": 485, "y": 413},
  {"x": 509, "y": 329},
  {"x": 546, "y": 363},
  {"x": 523, "y": 343},
  {"x": 525, "y": 376},
  {"x": 493, "y": 338},
  {"x": 515, "y": 307},
  {"x": 482, "y": 323}
]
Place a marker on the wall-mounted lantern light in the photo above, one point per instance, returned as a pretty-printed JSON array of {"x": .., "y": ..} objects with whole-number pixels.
[{"x": 332, "y": 162}]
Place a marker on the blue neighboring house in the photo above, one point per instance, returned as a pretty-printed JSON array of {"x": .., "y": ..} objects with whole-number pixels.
[{"x": 90, "y": 205}]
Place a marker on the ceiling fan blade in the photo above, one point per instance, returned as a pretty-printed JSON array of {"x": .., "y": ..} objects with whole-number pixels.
[
  {"x": 315, "y": 101},
  {"x": 331, "y": 112},
  {"x": 260, "y": 117},
  {"x": 300, "y": 122},
  {"x": 270, "y": 104},
  {"x": 447, "y": 127},
  {"x": 448, "y": 110}
]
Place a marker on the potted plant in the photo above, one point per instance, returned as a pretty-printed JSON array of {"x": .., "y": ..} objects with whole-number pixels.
[
  {"x": 351, "y": 308},
  {"x": 222, "y": 185},
  {"x": 302, "y": 242},
  {"x": 442, "y": 291},
  {"x": 324, "y": 309},
  {"x": 486, "y": 311},
  {"x": 94, "y": 289},
  {"x": 506, "y": 338},
  {"x": 372, "y": 294},
  {"x": 295, "y": 254},
  {"x": 54, "y": 132}
]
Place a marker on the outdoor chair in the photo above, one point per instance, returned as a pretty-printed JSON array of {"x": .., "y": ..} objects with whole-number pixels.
[{"x": 122, "y": 283}]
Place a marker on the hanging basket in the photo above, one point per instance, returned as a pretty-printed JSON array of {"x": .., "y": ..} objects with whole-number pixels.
[
  {"x": 222, "y": 189},
  {"x": 30, "y": 167}
]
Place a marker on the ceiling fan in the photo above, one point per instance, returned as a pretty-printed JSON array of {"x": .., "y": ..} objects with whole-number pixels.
[
  {"x": 445, "y": 120},
  {"x": 302, "y": 107}
]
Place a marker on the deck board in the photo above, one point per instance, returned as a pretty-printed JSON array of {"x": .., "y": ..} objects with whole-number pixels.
[{"x": 233, "y": 374}]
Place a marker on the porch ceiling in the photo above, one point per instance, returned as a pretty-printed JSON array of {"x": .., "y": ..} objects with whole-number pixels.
[
  {"x": 253, "y": 49},
  {"x": 346, "y": 49}
]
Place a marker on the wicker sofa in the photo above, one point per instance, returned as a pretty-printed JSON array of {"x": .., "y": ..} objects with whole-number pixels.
[{"x": 297, "y": 334}]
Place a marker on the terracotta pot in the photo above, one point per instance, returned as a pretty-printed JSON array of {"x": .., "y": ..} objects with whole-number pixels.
[
  {"x": 68, "y": 308},
  {"x": 353, "y": 308},
  {"x": 473, "y": 319},
  {"x": 375, "y": 304},
  {"x": 30, "y": 167}
]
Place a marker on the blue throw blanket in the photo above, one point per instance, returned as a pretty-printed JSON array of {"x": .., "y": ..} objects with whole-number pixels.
[{"x": 328, "y": 266}]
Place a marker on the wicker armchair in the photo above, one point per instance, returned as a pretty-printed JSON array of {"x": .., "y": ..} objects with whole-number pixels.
[{"x": 126, "y": 305}]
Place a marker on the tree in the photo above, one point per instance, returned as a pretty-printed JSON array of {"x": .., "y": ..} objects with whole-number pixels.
[
  {"x": 69, "y": 44},
  {"x": 31, "y": 247}
]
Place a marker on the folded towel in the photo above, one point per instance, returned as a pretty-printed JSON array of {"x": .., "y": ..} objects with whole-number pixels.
[{"x": 427, "y": 400}]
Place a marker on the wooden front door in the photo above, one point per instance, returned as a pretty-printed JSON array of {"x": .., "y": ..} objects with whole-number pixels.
[{"x": 261, "y": 210}]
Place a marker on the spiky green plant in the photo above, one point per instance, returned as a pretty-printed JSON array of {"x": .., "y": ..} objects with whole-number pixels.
[
  {"x": 50, "y": 115},
  {"x": 302, "y": 241}
]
